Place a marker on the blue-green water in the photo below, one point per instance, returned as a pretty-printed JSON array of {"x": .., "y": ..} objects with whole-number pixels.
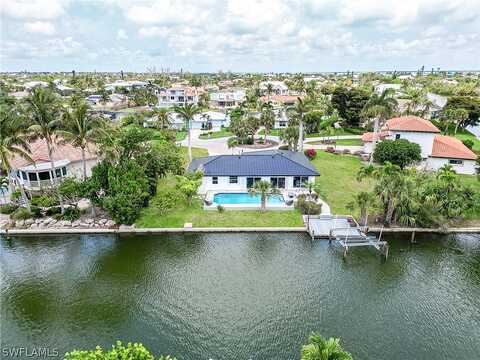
[
  {"x": 241, "y": 296},
  {"x": 245, "y": 198}
]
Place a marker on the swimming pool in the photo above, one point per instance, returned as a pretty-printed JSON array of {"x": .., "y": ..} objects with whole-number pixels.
[{"x": 245, "y": 198}]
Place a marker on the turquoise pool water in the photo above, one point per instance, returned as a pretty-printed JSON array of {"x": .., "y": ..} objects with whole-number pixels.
[{"x": 245, "y": 198}]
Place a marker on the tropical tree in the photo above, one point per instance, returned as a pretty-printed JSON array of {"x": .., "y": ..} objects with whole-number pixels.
[
  {"x": 163, "y": 120},
  {"x": 4, "y": 183},
  {"x": 418, "y": 102},
  {"x": 264, "y": 189},
  {"x": 43, "y": 109},
  {"x": 458, "y": 117},
  {"x": 187, "y": 112},
  {"x": 380, "y": 107},
  {"x": 269, "y": 91},
  {"x": 319, "y": 348},
  {"x": 389, "y": 185},
  {"x": 297, "y": 112},
  {"x": 267, "y": 119},
  {"x": 363, "y": 201},
  {"x": 188, "y": 185},
  {"x": 80, "y": 129},
  {"x": 289, "y": 135}
]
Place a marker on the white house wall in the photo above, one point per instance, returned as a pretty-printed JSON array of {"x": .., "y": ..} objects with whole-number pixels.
[
  {"x": 425, "y": 140},
  {"x": 75, "y": 168},
  {"x": 224, "y": 183},
  {"x": 468, "y": 166}
]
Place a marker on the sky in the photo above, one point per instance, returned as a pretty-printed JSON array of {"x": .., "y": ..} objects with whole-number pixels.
[{"x": 239, "y": 35}]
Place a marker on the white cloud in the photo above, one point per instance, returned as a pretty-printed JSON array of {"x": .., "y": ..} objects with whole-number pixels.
[
  {"x": 122, "y": 34},
  {"x": 32, "y": 9},
  {"x": 40, "y": 27}
]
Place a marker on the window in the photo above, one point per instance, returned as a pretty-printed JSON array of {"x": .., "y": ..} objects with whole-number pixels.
[
  {"x": 181, "y": 99},
  {"x": 251, "y": 181},
  {"x": 455, "y": 162},
  {"x": 215, "y": 180},
  {"x": 32, "y": 176},
  {"x": 282, "y": 124},
  {"x": 278, "y": 182},
  {"x": 24, "y": 175},
  {"x": 58, "y": 173},
  {"x": 397, "y": 136},
  {"x": 172, "y": 97},
  {"x": 299, "y": 181},
  {"x": 233, "y": 180},
  {"x": 44, "y": 175}
]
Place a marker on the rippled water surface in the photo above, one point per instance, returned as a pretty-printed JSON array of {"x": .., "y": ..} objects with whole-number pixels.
[{"x": 242, "y": 296}]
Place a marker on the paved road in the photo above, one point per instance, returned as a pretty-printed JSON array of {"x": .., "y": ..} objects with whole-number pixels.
[{"x": 219, "y": 146}]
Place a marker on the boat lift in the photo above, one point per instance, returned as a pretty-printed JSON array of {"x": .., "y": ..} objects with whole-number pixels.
[{"x": 343, "y": 230}]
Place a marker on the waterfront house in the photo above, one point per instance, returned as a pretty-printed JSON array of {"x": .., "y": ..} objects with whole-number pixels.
[
  {"x": 67, "y": 161},
  {"x": 278, "y": 87},
  {"x": 208, "y": 120},
  {"x": 177, "y": 95},
  {"x": 286, "y": 170},
  {"x": 436, "y": 150}
]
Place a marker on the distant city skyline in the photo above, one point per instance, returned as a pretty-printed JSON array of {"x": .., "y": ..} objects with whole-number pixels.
[{"x": 239, "y": 35}]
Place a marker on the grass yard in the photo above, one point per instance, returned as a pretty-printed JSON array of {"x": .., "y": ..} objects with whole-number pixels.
[
  {"x": 180, "y": 135},
  {"x": 464, "y": 135},
  {"x": 344, "y": 142},
  {"x": 182, "y": 213},
  {"x": 338, "y": 179},
  {"x": 215, "y": 134},
  {"x": 196, "y": 152},
  {"x": 346, "y": 131}
]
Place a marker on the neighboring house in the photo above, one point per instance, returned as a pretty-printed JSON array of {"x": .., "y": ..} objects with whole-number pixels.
[
  {"x": 209, "y": 120},
  {"x": 168, "y": 97},
  {"x": 128, "y": 85},
  {"x": 281, "y": 119},
  {"x": 382, "y": 87},
  {"x": 64, "y": 90},
  {"x": 438, "y": 103},
  {"x": 33, "y": 84},
  {"x": 286, "y": 170},
  {"x": 227, "y": 98},
  {"x": 279, "y": 87},
  {"x": 281, "y": 100},
  {"x": 67, "y": 162},
  {"x": 437, "y": 150}
]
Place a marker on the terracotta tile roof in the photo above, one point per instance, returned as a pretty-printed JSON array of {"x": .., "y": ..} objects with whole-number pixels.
[
  {"x": 281, "y": 98},
  {"x": 411, "y": 123},
  {"x": 449, "y": 147},
  {"x": 39, "y": 154},
  {"x": 368, "y": 136}
]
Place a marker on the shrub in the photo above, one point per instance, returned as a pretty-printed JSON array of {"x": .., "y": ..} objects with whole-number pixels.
[
  {"x": 21, "y": 214},
  {"x": 220, "y": 208},
  {"x": 8, "y": 208},
  {"x": 15, "y": 195},
  {"x": 70, "y": 213},
  {"x": 468, "y": 143},
  {"x": 131, "y": 351},
  {"x": 53, "y": 211},
  {"x": 232, "y": 142},
  {"x": 307, "y": 207},
  {"x": 44, "y": 200},
  {"x": 35, "y": 211},
  {"x": 165, "y": 201},
  {"x": 310, "y": 153},
  {"x": 399, "y": 152}
]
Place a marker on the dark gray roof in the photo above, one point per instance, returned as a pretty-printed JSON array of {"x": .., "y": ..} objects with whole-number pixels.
[{"x": 258, "y": 163}]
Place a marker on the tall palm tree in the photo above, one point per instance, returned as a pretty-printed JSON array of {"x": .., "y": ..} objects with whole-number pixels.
[
  {"x": 187, "y": 112},
  {"x": 264, "y": 189},
  {"x": 389, "y": 187},
  {"x": 43, "y": 108},
  {"x": 267, "y": 118},
  {"x": 13, "y": 142},
  {"x": 80, "y": 128},
  {"x": 269, "y": 91},
  {"x": 319, "y": 348},
  {"x": 163, "y": 120},
  {"x": 298, "y": 111},
  {"x": 4, "y": 184},
  {"x": 380, "y": 107},
  {"x": 417, "y": 100}
]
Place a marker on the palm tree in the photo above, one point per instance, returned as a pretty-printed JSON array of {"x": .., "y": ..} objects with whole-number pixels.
[
  {"x": 417, "y": 99},
  {"x": 265, "y": 189},
  {"x": 319, "y": 348},
  {"x": 389, "y": 187},
  {"x": 4, "y": 183},
  {"x": 363, "y": 201},
  {"x": 298, "y": 111},
  {"x": 269, "y": 91},
  {"x": 163, "y": 120},
  {"x": 42, "y": 105},
  {"x": 187, "y": 112},
  {"x": 80, "y": 129},
  {"x": 267, "y": 119},
  {"x": 13, "y": 142},
  {"x": 380, "y": 107}
]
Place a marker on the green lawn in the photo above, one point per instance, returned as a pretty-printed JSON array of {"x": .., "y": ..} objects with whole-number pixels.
[
  {"x": 215, "y": 134},
  {"x": 183, "y": 213},
  {"x": 338, "y": 179},
  {"x": 464, "y": 135},
  {"x": 196, "y": 152},
  {"x": 180, "y": 135},
  {"x": 344, "y": 142}
]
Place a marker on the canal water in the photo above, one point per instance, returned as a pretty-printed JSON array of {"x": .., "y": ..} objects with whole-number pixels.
[{"x": 241, "y": 296}]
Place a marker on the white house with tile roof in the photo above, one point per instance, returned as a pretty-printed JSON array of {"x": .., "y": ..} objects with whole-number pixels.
[{"x": 437, "y": 150}]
